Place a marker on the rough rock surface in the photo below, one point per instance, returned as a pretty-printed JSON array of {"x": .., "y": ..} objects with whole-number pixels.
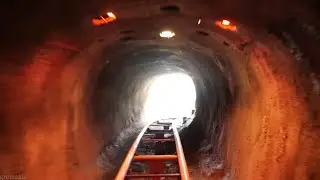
[{"x": 67, "y": 87}]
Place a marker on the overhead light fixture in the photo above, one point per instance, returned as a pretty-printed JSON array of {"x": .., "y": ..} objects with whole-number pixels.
[
  {"x": 167, "y": 34},
  {"x": 199, "y": 21},
  {"x": 225, "y": 22},
  {"x": 111, "y": 15},
  {"x": 104, "y": 19},
  {"x": 226, "y": 25}
]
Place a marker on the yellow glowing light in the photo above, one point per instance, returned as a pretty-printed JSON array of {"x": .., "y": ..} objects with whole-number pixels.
[
  {"x": 226, "y": 22},
  {"x": 167, "y": 34},
  {"x": 226, "y": 25},
  {"x": 101, "y": 20},
  {"x": 110, "y": 14}
]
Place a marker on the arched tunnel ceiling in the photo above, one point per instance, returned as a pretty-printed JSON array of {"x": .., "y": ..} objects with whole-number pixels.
[
  {"x": 57, "y": 16},
  {"x": 55, "y": 62}
]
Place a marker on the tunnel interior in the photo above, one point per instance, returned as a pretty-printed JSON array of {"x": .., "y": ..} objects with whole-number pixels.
[
  {"x": 135, "y": 72},
  {"x": 73, "y": 94}
]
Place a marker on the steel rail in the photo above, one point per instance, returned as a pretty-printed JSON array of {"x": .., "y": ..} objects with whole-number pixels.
[
  {"x": 181, "y": 159},
  {"x": 127, "y": 161}
]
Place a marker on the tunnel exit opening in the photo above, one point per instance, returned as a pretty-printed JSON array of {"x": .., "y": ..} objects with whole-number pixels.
[{"x": 170, "y": 96}]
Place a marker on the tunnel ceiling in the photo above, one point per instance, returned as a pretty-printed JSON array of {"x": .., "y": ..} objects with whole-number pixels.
[
  {"x": 136, "y": 22},
  {"x": 131, "y": 13}
]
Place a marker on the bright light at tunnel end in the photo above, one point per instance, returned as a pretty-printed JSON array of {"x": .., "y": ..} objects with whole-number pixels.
[
  {"x": 167, "y": 34},
  {"x": 170, "y": 96}
]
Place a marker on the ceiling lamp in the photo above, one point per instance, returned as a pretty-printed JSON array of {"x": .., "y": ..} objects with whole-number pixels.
[
  {"x": 111, "y": 15},
  {"x": 226, "y": 25},
  {"x": 167, "y": 34},
  {"x": 225, "y": 22},
  {"x": 104, "y": 19},
  {"x": 199, "y": 21}
]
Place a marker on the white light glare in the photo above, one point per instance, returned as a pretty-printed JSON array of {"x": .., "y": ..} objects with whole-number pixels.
[
  {"x": 199, "y": 21},
  {"x": 170, "y": 96},
  {"x": 167, "y": 34},
  {"x": 226, "y": 22},
  {"x": 110, "y": 14}
]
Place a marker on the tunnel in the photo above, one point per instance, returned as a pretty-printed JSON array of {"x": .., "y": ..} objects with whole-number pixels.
[{"x": 73, "y": 94}]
